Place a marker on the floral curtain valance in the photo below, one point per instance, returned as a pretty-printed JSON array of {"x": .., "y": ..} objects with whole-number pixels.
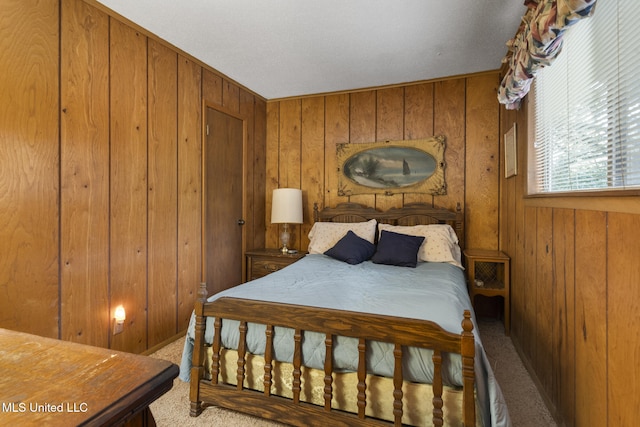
[{"x": 537, "y": 43}]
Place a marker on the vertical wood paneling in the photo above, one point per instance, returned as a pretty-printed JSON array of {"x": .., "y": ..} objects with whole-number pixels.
[
  {"x": 247, "y": 111},
  {"x": 189, "y": 187},
  {"x": 518, "y": 268},
  {"x": 563, "y": 315},
  {"x": 290, "y": 155},
  {"x": 29, "y": 162},
  {"x": 211, "y": 87},
  {"x": 509, "y": 245},
  {"x": 591, "y": 318},
  {"x": 272, "y": 168},
  {"x": 362, "y": 128},
  {"x": 290, "y": 144},
  {"x": 449, "y": 109},
  {"x": 162, "y": 193},
  {"x": 529, "y": 283},
  {"x": 259, "y": 174},
  {"x": 129, "y": 183},
  {"x": 362, "y": 117},
  {"x": 336, "y": 132},
  {"x": 418, "y": 121},
  {"x": 126, "y": 123},
  {"x": 407, "y": 112},
  {"x": 84, "y": 174},
  {"x": 508, "y": 235},
  {"x": 623, "y": 304},
  {"x": 544, "y": 295},
  {"x": 389, "y": 127},
  {"x": 312, "y": 157},
  {"x": 230, "y": 96},
  {"x": 482, "y": 149},
  {"x": 590, "y": 378},
  {"x": 518, "y": 254},
  {"x": 390, "y": 114}
]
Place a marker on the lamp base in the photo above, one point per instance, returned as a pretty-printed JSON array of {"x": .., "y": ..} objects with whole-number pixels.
[{"x": 284, "y": 238}]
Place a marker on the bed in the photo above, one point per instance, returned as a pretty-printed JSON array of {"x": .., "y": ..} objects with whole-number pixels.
[{"x": 344, "y": 337}]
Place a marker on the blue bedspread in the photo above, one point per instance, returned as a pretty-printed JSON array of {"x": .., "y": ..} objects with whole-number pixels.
[{"x": 432, "y": 291}]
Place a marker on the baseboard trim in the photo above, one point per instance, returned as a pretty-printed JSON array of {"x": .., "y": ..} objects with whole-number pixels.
[
  {"x": 534, "y": 377},
  {"x": 164, "y": 343}
]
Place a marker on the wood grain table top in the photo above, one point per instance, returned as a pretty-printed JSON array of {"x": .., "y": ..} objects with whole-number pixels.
[{"x": 53, "y": 382}]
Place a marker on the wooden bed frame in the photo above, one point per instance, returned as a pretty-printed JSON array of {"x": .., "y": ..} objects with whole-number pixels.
[{"x": 398, "y": 331}]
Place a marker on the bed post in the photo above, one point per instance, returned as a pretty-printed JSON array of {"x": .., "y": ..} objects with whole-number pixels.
[
  {"x": 468, "y": 351},
  {"x": 316, "y": 212},
  {"x": 197, "y": 359},
  {"x": 459, "y": 225}
]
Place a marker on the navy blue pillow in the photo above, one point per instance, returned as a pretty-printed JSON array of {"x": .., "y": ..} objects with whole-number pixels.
[
  {"x": 352, "y": 249},
  {"x": 397, "y": 249}
]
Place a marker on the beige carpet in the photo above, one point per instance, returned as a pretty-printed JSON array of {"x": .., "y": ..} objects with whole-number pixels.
[{"x": 526, "y": 408}]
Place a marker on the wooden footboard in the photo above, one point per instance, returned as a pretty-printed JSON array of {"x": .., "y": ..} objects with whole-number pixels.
[{"x": 400, "y": 332}]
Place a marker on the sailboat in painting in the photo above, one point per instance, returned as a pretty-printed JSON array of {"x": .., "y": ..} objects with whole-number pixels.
[{"x": 405, "y": 167}]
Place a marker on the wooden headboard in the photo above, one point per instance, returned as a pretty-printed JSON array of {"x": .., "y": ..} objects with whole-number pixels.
[{"x": 409, "y": 214}]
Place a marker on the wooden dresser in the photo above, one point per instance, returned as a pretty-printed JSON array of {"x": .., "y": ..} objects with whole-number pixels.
[
  {"x": 261, "y": 262},
  {"x": 58, "y": 383}
]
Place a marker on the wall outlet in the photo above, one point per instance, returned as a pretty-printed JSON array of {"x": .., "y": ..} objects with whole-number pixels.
[{"x": 118, "y": 327}]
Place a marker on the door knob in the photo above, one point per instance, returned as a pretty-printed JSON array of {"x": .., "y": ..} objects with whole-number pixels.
[{"x": 241, "y": 222}]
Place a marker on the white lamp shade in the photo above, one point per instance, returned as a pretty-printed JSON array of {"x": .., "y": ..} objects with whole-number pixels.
[{"x": 286, "y": 206}]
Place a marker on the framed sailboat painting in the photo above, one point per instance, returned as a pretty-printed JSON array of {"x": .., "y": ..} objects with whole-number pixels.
[{"x": 392, "y": 167}]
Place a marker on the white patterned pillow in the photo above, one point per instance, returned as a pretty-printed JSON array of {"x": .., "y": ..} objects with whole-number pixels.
[
  {"x": 440, "y": 242},
  {"x": 324, "y": 235}
]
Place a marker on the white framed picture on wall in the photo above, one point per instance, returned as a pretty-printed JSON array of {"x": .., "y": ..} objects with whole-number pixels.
[{"x": 510, "y": 153}]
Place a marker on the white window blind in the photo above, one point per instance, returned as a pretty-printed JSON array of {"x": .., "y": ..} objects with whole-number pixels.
[{"x": 586, "y": 106}]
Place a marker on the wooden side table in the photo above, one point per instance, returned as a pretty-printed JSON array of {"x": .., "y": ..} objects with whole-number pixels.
[
  {"x": 261, "y": 262},
  {"x": 59, "y": 383},
  {"x": 488, "y": 273}
]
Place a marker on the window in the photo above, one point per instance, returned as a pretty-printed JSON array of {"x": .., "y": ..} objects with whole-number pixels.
[{"x": 585, "y": 107}]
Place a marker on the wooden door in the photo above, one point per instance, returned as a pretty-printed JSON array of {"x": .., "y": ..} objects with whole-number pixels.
[{"x": 223, "y": 200}]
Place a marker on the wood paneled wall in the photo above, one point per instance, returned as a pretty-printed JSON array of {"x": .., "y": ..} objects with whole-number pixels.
[
  {"x": 575, "y": 295},
  {"x": 100, "y": 174},
  {"x": 302, "y": 134},
  {"x": 29, "y": 165}
]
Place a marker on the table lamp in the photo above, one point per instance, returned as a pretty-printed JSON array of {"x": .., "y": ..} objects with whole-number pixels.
[{"x": 286, "y": 208}]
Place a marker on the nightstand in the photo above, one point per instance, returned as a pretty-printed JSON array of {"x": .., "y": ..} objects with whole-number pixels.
[
  {"x": 488, "y": 273},
  {"x": 261, "y": 262}
]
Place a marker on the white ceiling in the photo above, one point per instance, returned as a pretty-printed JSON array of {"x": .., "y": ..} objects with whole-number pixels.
[{"x": 283, "y": 48}]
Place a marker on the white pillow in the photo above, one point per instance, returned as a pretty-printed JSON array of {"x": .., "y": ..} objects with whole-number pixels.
[
  {"x": 440, "y": 241},
  {"x": 324, "y": 235}
]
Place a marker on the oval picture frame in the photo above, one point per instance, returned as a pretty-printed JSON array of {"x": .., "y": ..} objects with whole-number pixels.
[{"x": 392, "y": 167}]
